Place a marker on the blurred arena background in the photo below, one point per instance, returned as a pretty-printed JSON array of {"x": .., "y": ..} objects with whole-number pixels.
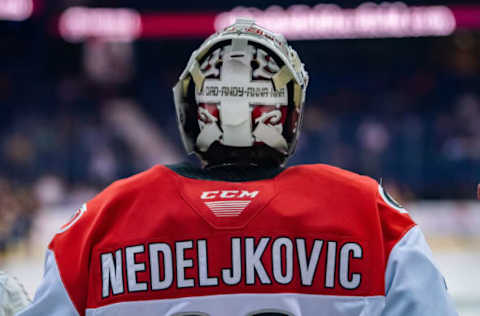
[{"x": 85, "y": 98}]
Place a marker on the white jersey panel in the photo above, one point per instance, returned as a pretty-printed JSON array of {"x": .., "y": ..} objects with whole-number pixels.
[
  {"x": 51, "y": 297},
  {"x": 249, "y": 305},
  {"x": 414, "y": 286}
]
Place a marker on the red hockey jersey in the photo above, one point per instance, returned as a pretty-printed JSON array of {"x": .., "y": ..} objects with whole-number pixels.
[{"x": 312, "y": 240}]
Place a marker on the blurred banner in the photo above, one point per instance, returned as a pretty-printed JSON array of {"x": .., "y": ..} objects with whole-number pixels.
[
  {"x": 297, "y": 22},
  {"x": 16, "y": 10}
]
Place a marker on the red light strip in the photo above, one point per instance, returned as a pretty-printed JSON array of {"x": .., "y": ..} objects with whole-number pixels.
[
  {"x": 323, "y": 21},
  {"x": 186, "y": 25},
  {"x": 467, "y": 17}
]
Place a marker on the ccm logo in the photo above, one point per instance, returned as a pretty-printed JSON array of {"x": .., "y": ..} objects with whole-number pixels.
[{"x": 228, "y": 194}]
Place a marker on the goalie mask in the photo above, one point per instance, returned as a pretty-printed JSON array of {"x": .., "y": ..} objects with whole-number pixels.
[{"x": 239, "y": 101}]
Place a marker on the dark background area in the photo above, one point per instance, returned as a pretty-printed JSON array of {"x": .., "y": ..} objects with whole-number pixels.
[{"x": 400, "y": 109}]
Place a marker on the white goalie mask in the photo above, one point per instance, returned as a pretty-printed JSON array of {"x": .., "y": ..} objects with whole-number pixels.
[{"x": 242, "y": 92}]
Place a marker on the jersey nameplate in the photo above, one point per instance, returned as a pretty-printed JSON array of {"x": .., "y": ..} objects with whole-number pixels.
[{"x": 242, "y": 261}]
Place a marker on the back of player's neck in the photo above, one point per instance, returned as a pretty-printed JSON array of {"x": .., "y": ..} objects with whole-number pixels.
[{"x": 227, "y": 172}]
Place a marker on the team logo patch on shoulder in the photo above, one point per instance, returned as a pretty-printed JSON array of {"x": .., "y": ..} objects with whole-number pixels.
[
  {"x": 75, "y": 217},
  {"x": 390, "y": 200}
]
